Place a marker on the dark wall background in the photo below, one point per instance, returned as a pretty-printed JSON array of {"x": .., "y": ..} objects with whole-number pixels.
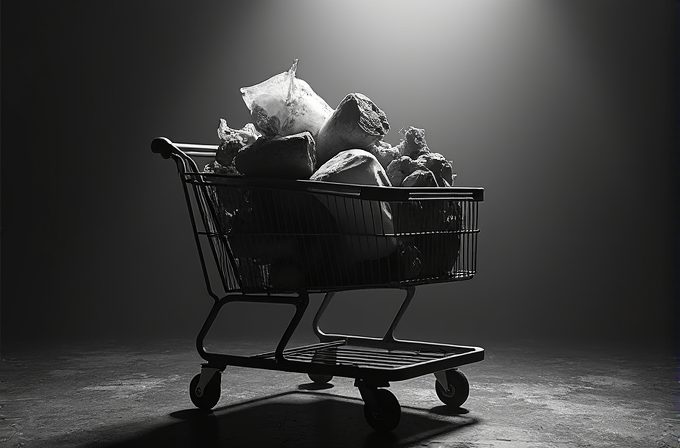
[{"x": 565, "y": 111}]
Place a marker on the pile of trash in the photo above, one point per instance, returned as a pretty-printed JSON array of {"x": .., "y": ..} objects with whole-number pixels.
[{"x": 295, "y": 134}]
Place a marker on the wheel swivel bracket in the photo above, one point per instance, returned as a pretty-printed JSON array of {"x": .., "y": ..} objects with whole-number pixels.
[{"x": 207, "y": 373}]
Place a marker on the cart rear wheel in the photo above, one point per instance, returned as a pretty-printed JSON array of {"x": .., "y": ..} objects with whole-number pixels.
[
  {"x": 458, "y": 391},
  {"x": 388, "y": 413},
  {"x": 210, "y": 396},
  {"x": 321, "y": 378}
]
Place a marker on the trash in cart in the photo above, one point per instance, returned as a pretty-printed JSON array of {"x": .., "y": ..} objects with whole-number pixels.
[{"x": 309, "y": 199}]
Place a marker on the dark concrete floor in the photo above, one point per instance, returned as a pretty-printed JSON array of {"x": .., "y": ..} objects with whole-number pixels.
[{"x": 524, "y": 394}]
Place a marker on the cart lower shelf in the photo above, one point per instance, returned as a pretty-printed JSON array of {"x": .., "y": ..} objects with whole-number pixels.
[{"x": 368, "y": 359}]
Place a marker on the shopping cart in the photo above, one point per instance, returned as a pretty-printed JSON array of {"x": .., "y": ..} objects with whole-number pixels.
[{"x": 277, "y": 241}]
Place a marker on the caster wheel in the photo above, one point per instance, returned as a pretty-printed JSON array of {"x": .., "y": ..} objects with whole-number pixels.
[
  {"x": 210, "y": 396},
  {"x": 320, "y": 378},
  {"x": 459, "y": 389},
  {"x": 387, "y": 417}
]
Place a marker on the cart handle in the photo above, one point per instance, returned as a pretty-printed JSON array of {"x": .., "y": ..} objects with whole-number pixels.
[{"x": 166, "y": 148}]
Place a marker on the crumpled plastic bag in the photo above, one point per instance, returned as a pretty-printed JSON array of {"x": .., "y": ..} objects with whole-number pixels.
[{"x": 285, "y": 105}]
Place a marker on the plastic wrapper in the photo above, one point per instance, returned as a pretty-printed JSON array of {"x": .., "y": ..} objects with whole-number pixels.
[{"x": 284, "y": 105}]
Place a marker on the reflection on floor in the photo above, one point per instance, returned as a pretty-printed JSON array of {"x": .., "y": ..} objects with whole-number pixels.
[{"x": 135, "y": 394}]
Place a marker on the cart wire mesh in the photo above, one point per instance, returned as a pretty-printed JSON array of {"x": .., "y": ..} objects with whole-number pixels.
[{"x": 281, "y": 236}]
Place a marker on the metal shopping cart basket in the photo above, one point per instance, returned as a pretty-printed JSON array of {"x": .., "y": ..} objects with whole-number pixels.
[{"x": 277, "y": 241}]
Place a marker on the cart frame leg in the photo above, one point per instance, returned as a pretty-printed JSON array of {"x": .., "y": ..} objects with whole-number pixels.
[
  {"x": 221, "y": 361},
  {"x": 387, "y": 340},
  {"x": 389, "y": 335},
  {"x": 323, "y": 337}
]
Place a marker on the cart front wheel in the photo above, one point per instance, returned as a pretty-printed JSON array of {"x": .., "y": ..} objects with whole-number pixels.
[
  {"x": 320, "y": 378},
  {"x": 386, "y": 416},
  {"x": 458, "y": 390},
  {"x": 209, "y": 396}
]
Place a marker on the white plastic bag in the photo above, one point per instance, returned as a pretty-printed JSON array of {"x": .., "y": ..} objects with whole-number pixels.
[{"x": 285, "y": 105}]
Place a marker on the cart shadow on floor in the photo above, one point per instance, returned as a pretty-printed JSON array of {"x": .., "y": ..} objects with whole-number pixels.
[{"x": 294, "y": 418}]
